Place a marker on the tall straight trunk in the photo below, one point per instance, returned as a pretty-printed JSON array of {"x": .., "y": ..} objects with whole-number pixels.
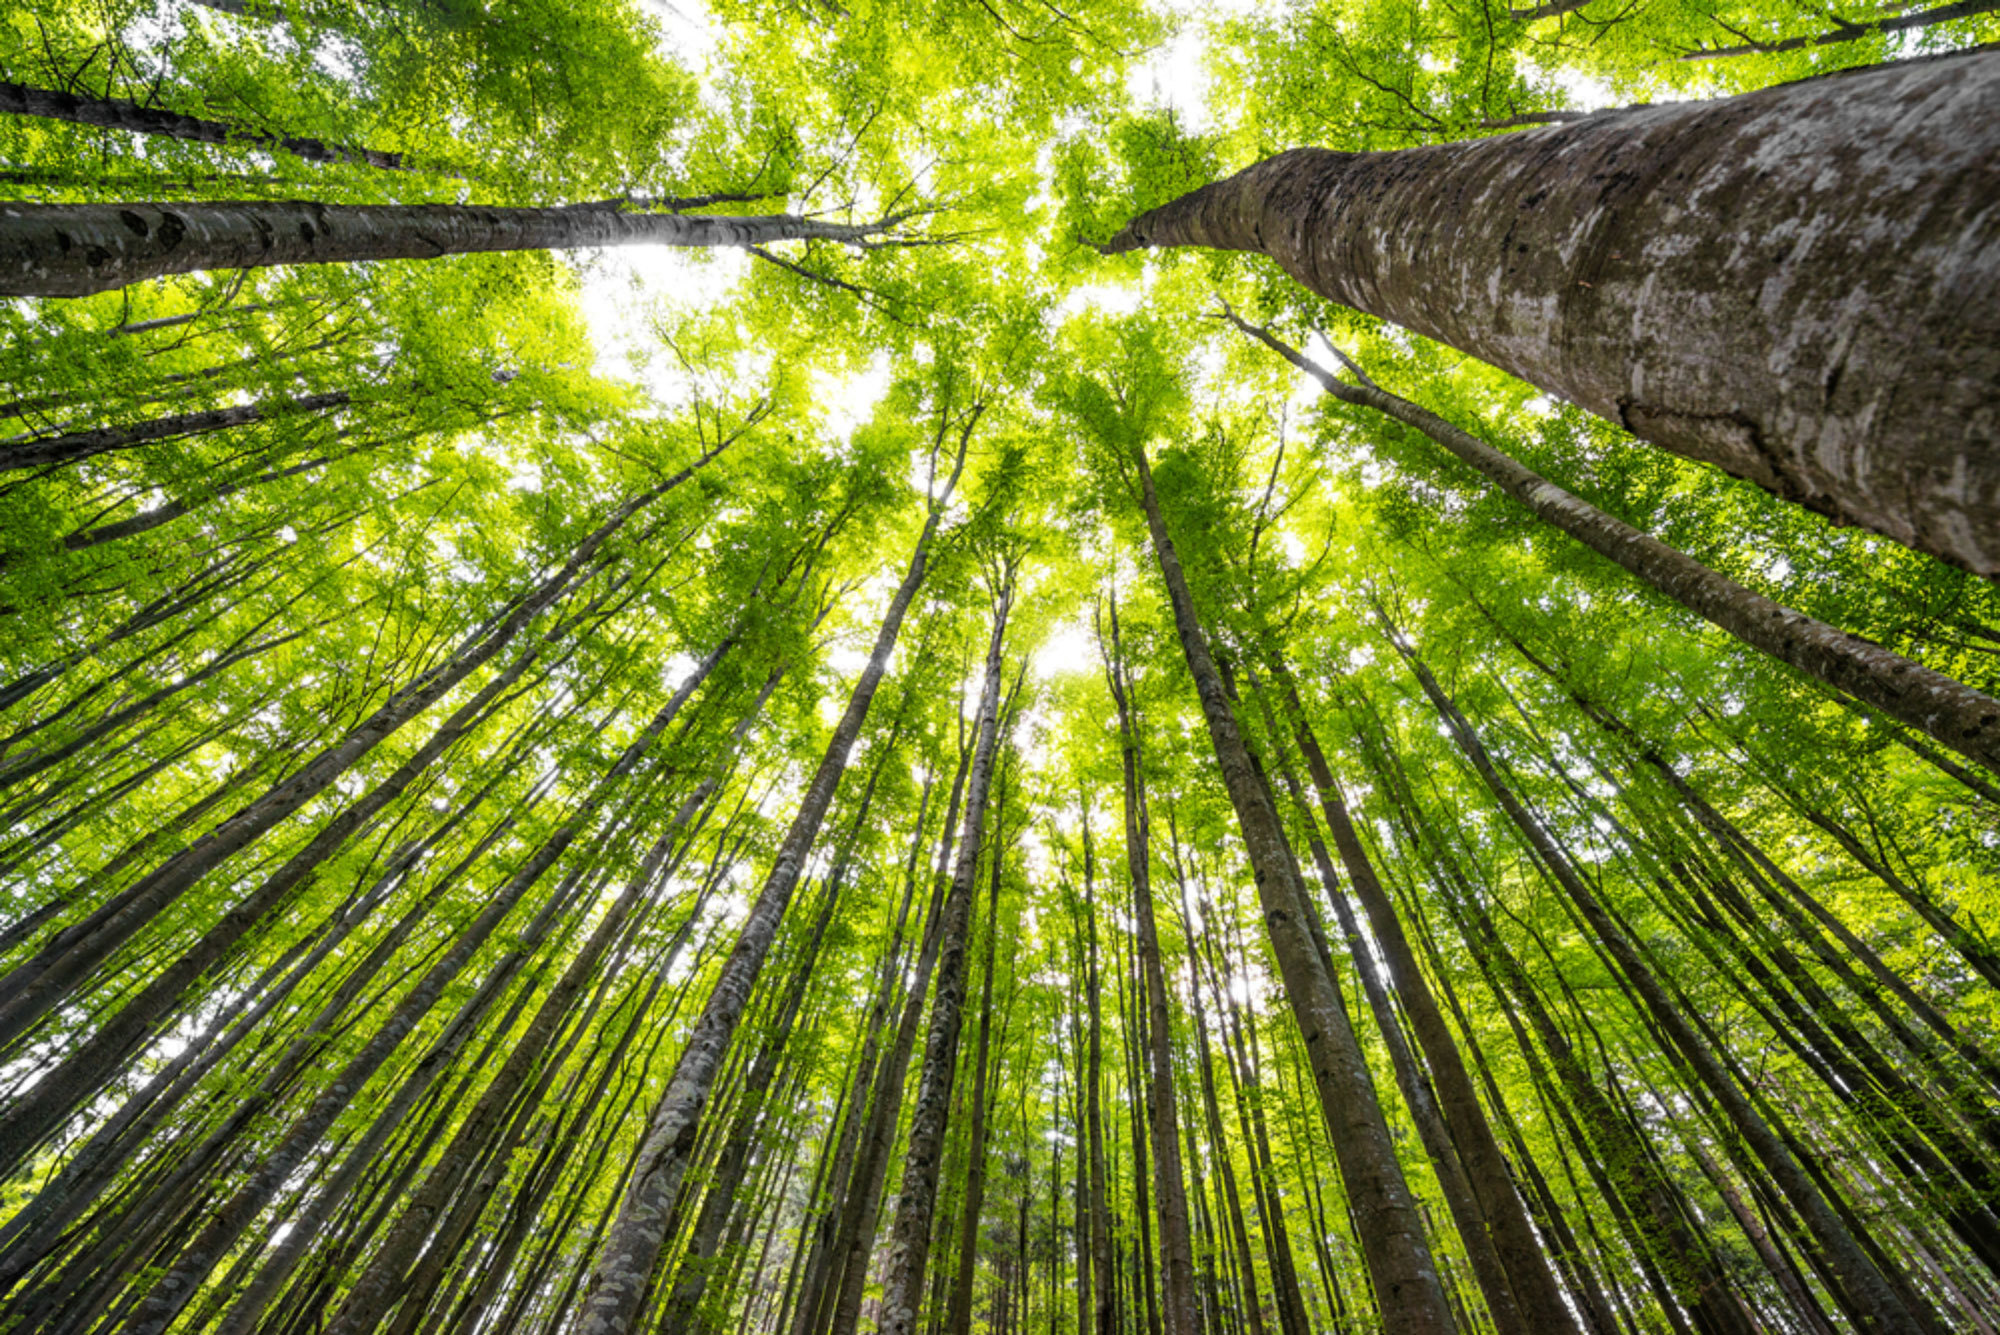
[
  {"x": 733, "y": 1159},
  {"x": 1103, "y": 1266},
  {"x": 42, "y": 1109},
  {"x": 1467, "y": 1208},
  {"x": 73, "y": 250},
  {"x": 1966, "y": 720},
  {"x": 1534, "y": 1289},
  {"x": 173, "y": 1291},
  {"x": 1869, "y": 1294},
  {"x": 820, "y": 1278},
  {"x": 1800, "y": 285},
  {"x": 910, "y": 1233},
  {"x": 1407, "y": 1286},
  {"x": 1238, "y": 1235},
  {"x": 376, "y": 1289},
  {"x": 839, "y": 1309},
  {"x": 118, "y": 113},
  {"x": 958, "y": 1317},
  {"x": 631, "y": 1247},
  {"x": 1170, "y": 1194}
]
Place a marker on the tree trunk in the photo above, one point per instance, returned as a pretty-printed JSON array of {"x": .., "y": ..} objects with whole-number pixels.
[
  {"x": 117, "y": 113},
  {"x": 1966, "y": 720},
  {"x": 1534, "y": 1288},
  {"x": 73, "y": 250},
  {"x": 53, "y": 1099},
  {"x": 631, "y": 1247},
  {"x": 1176, "y": 1247},
  {"x": 1846, "y": 31},
  {"x": 1800, "y": 285},
  {"x": 958, "y": 1317},
  {"x": 1407, "y": 1287},
  {"x": 910, "y": 1233},
  {"x": 75, "y": 445},
  {"x": 1871, "y": 1298}
]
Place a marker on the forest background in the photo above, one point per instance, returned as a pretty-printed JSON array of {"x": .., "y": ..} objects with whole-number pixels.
[{"x": 675, "y": 787}]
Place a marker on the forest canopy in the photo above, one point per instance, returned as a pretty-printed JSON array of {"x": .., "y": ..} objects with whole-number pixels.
[{"x": 815, "y": 666}]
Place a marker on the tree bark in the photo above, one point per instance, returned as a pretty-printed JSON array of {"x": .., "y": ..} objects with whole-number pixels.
[
  {"x": 1846, "y": 31},
  {"x": 76, "y": 445},
  {"x": 1799, "y": 285},
  {"x": 117, "y": 113},
  {"x": 1408, "y": 1290},
  {"x": 1871, "y": 1297},
  {"x": 631, "y": 1247},
  {"x": 73, "y": 250},
  {"x": 1966, "y": 720},
  {"x": 1170, "y": 1192},
  {"x": 910, "y": 1233}
]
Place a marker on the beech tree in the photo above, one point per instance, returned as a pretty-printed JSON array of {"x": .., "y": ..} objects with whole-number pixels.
[{"x": 640, "y": 690}]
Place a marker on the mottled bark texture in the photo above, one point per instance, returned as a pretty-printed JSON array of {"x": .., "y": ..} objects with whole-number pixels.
[
  {"x": 73, "y": 250},
  {"x": 910, "y": 1234},
  {"x": 1966, "y": 720},
  {"x": 1800, "y": 285},
  {"x": 1407, "y": 1288}
]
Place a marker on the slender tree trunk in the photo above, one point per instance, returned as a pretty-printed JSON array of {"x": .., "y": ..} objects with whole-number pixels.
[
  {"x": 631, "y": 1247},
  {"x": 1836, "y": 340},
  {"x": 1392, "y": 1239},
  {"x": 97, "y": 1061},
  {"x": 73, "y": 250},
  {"x": 72, "y": 446},
  {"x": 117, "y": 113},
  {"x": 1176, "y": 1246},
  {"x": 910, "y": 1233},
  {"x": 1872, "y": 1299},
  {"x": 1966, "y": 720},
  {"x": 1534, "y": 1289},
  {"x": 958, "y": 1317},
  {"x": 1845, "y": 30}
]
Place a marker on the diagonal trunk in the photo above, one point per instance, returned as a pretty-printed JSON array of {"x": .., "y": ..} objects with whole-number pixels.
[
  {"x": 1870, "y": 1295},
  {"x": 910, "y": 1233},
  {"x": 1845, "y": 30},
  {"x": 1799, "y": 285},
  {"x": 117, "y": 113},
  {"x": 1966, "y": 720},
  {"x": 73, "y": 250}
]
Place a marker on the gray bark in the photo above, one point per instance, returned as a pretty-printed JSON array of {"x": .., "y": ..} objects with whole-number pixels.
[
  {"x": 72, "y": 446},
  {"x": 1407, "y": 1288},
  {"x": 910, "y": 1233},
  {"x": 1799, "y": 285},
  {"x": 73, "y": 250},
  {"x": 1966, "y": 720},
  {"x": 631, "y": 1247},
  {"x": 1875, "y": 1304}
]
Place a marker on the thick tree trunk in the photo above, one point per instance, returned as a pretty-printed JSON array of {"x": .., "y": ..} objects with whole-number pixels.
[
  {"x": 1800, "y": 285},
  {"x": 910, "y": 1233},
  {"x": 631, "y": 1247},
  {"x": 73, "y": 250},
  {"x": 1407, "y": 1287},
  {"x": 1966, "y": 720}
]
